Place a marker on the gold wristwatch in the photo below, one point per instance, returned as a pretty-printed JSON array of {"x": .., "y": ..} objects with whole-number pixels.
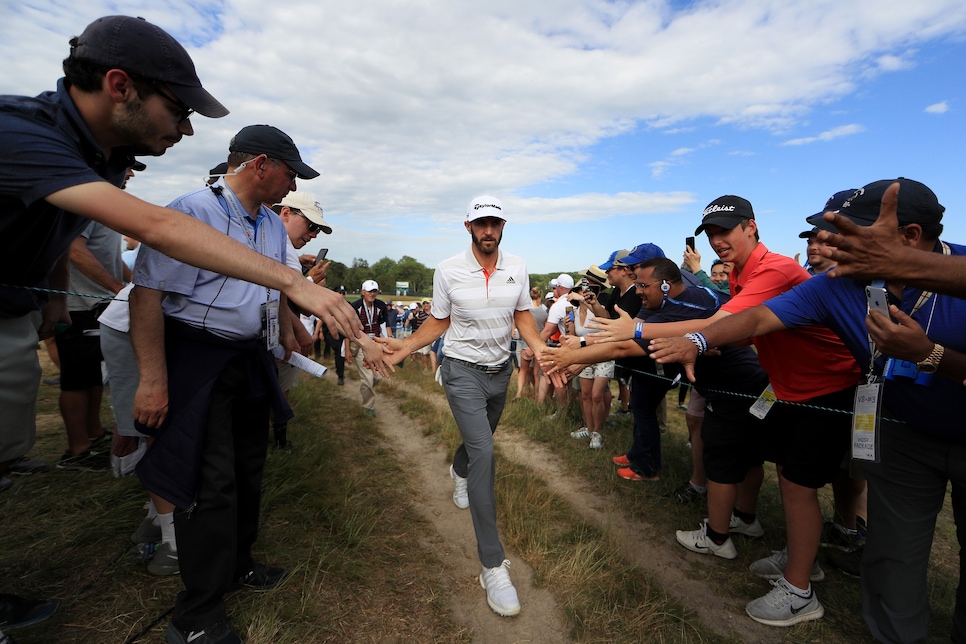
[{"x": 931, "y": 363}]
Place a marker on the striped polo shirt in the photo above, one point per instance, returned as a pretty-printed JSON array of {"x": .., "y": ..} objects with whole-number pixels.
[{"x": 480, "y": 307}]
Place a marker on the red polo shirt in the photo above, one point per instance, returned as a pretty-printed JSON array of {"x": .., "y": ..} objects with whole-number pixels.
[{"x": 801, "y": 363}]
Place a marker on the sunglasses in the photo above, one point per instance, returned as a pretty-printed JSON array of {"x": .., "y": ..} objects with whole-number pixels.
[{"x": 313, "y": 227}]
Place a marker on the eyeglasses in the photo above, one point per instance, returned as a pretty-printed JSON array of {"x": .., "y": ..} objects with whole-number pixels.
[
  {"x": 183, "y": 111},
  {"x": 292, "y": 174},
  {"x": 644, "y": 284},
  {"x": 313, "y": 227}
]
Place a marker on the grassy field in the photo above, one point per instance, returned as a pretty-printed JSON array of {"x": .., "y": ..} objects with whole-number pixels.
[{"x": 354, "y": 542}]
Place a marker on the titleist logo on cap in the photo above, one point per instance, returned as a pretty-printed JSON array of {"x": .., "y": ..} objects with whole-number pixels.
[
  {"x": 716, "y": 208},
  {"x": 486, "y": 205}
]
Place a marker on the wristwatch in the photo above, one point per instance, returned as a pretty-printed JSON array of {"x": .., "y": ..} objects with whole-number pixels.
[
  {"x": 583, "y": 341},
  {"x": 931, "y": 363}
]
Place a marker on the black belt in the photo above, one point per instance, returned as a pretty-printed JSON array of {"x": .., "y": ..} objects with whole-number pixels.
[{"x": 496, "y": 368}]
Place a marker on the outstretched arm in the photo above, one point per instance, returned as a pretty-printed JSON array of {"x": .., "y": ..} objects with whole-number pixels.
[{"x": 186, "y": 239}]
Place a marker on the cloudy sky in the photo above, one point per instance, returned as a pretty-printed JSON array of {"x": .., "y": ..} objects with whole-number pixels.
[{"x": 601, "y": 125}]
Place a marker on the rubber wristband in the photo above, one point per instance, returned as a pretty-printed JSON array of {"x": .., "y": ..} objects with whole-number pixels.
[{"x": 638, "y": 330}]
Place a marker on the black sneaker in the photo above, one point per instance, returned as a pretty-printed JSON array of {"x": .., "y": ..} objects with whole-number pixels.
[
  {"x": 24, "y": 465},
  {"x": 91, "y": 459},
  {"x": 16, "y": 611},
  {"x": 220, "y": 632},
  {"x": 262, "y": 577},
  {"x": 848, "y": 562},
  {"x": 341, "y": 381}
]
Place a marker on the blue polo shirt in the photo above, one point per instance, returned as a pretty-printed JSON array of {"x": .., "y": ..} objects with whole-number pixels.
[
  {"x": 938, "y": 408},
  {"x": 225, "y": 306},
  {"x": 45, "y": 146}
]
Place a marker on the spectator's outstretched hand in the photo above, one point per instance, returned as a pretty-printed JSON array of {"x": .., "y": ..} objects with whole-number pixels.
[
  {"x": 615, "y": 330},
  {"x": 865, "y": 252}
]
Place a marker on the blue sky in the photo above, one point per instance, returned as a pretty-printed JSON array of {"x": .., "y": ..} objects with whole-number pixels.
[{"x": 600, "y": 124}]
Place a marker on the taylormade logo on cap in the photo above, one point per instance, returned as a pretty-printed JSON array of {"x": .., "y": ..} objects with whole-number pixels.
[{"x": 485, "y": 206}]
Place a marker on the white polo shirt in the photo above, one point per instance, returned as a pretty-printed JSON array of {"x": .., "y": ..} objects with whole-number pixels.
[{"x": 480, "y": 307}]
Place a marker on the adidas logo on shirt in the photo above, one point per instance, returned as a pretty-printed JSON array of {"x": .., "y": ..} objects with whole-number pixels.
[{"x": 510, "y": 280}]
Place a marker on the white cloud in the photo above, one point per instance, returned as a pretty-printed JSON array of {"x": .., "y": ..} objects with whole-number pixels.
[
  {"x": 409, "y": 109},
  {"x": 937, "y": 108},
  {"x": 828, "y": 135}
]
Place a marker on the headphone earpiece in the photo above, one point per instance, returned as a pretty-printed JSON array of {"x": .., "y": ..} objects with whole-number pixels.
[{"x": 665, "y": 287}]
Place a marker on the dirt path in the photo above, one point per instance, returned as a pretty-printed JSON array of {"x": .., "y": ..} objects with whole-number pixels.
[{"x": 540, "y": 619}]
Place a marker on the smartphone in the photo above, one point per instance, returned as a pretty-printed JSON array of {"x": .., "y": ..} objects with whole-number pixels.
[
  {"x": 689, "y": 242},
  {"x": 878, "y": 299},
  {"x": 321, "y": 256}
]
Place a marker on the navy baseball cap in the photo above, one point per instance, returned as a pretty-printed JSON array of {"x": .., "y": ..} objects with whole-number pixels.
[
  {"x": 832, "y": 205},
  {"x": 639, "y": 254},
  {"x": 917, "y": 204},
  {"x": 273, "y": 143},
  {"x": 727, "y": 211},
  {"x": 145, "y": 50}
]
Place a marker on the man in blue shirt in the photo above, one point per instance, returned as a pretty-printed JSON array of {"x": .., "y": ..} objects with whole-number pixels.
[{"x": 922, "y": 446}]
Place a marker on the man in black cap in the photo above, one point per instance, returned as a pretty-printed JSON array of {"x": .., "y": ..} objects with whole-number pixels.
[
  {"x": 204, "y": 344},
  {"x": 129, "y": 88}
]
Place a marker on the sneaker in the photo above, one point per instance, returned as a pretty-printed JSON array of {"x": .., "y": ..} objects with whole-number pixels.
[
  {"x": 848, "y": 562},
  {"x": 596, "y": 442},
  {"x": 631, "y": 475},
  {"x": 52, "y": 382},
  {"x": 773, "y": 567},
  {"x": 341, "y": 381},
  {"x": 460, "y": 497},
  {"x": 698, "y": 541},
  {"x": 687, "y": 494},
  {"x": 752, "y": 529},
  {"x": 164, "y": 562},
  {"x": 91, "y": 459},
  {"x": 16, "y": 611},
  {"x": 147, "y": 532},
  {"x": 500, "y": 593},
  {"x": 24, "y": 465},
  {"x": 104, "y": 439},
  {"x": 5, "y": 484},
  {"x": 784, "y": 607},
  {"x": 840, "y": 538},
  {"x": 621, "y": 461},
  {"x": 583, "y": 432},
  {"x": 262, "y": 577},
  {"x": 220, "y": 632}
]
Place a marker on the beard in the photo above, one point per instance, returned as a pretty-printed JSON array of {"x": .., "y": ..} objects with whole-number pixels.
[
  {"x": 487, "y": 246},
  {"x": 134, "y": 127}
]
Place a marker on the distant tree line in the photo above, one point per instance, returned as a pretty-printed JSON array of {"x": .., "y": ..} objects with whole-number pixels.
[{"x": 387, "y": 272}]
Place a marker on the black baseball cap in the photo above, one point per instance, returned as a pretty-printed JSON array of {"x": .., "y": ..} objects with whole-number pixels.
[
  {"x": 147, "y": 51},
  {"x": 727, "y": 211},
  {"x": 832, "y": 205},
  {"x": 273, "y": 143},
  {"x": 917, "y": 204}
]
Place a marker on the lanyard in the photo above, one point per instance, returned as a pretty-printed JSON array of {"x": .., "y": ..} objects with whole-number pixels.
[
  {"x": 233, "y": 208},
  {"x": 690, "y": 305}
]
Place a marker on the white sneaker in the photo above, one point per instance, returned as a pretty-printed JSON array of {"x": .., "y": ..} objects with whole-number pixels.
[
  {"x": 500, "y": 593},
  {"x": 773, "y": 567},
  {"x": 784, "y": 607},
  {"x": 583, "y": 432},
  {"x": 752, "y": 529},
  {"x": 698, "y": 541},
  {"x": 460, "y": 497},
  {"x": 595, "y": 440}
]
